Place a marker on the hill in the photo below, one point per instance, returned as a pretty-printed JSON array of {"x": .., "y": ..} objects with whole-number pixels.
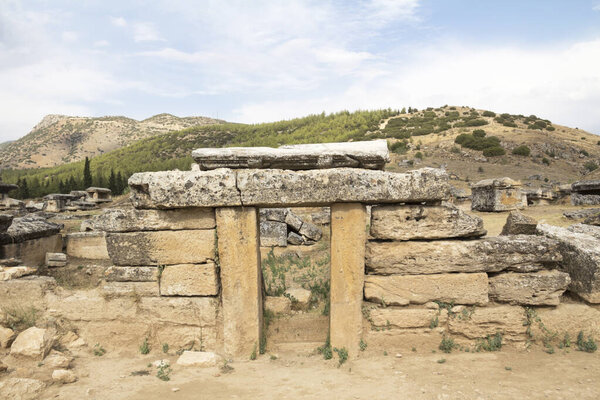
[
  {"x": 59, "y": 139},
  {"x": 417, "y": 138}
]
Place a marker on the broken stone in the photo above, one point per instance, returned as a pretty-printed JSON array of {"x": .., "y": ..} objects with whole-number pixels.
[
  {"x": 295, "y": 239},
  {"x": 294, "y": 221},
  {"x": 278, "y": 305},
  {"x": 273, "y": 233},
  {"x": 271, "y": 188},
  {"x": 5, "y": 222},
  {"x": 407, "y": 222},
  {"x": 370, "y": 155},
  {"x": 311, "y": 231},
  {"x": 63, "y": 376},
  {"x": 402, "y": 290},
  {"x": 132, "y": 220},
  {"x": 519, "y": 224},
  {"x": 522, "y": 253},
  {"x": 58, "y": 360},
  {"x": 8, "y": 273},
  {"x": 161, "y": 247},
  {"x": 590, "y": 230},
  {"x": 198, "y": 359},
  {"x": 21, "y": 389},
  {"x": 33, "y": 342},
  {"x": 6, "y": 337},
  {"x": 300, "y": 298},
  {"x": 189, "y": 280},
  {"x": 533, "y": 288},
  {"x": 593, "y": 219},
  {"x": 56, "y": 259},
  {"x": 10, "y": 262},
  {"x": 273, "y": 214},
  {"x": 580, "y": 214},
  {"x": 581, "y": 259},
  {"x": 483, "y": 321},
  {"x": 502, "y": 194},
  {"x": 131, "y": 274},
  {"x": 406, "y": 318}
]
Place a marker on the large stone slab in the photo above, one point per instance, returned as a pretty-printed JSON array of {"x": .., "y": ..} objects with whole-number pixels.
[
  {"x": 542, "y": 288},
  {"x": 161, "y": 247},
  {"x": 241, "y": 281},
  {"x": 276, "y": 188},
  {"x": 419, "y": 289},
  {"x": 515, "y": 253},
  {"x": 348, "y": 237},
  {"x": 484, "y": 321},
  {"x": 189, "y": 280},
  {"x": 581, "y": 259},
  {"x": 32, "y": 252},
  {"x": 370, "y": 155},
  {"x": 29, "y": 228},
  {"x": 407, "y": 222},
  {"x": 586, "y": 187},
  {"x": 579, "y": 199},
  {"x": 132, "y": 220},
  {"x": 406, "y": 317}
]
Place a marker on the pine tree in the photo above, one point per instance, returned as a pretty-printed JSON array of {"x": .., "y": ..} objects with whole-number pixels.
[
  {"x": 24, "y": 190},
  {"x": 112, "y": 182},
  {"x": 87, "y": 174},
  {"x": 61, "y": 187}
]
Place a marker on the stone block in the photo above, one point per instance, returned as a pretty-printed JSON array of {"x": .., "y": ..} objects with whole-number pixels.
[
  {"x": 241, "y": 281},
  {"x": 131, "y": 274},
  {"x": 419, "y": 289},
  {"x": 189, "y": 280},
  {"x": 33, "y": 343},
  {"x": 569, "y": 318},
  {"x": 578, "y": 199},
  {"x": 273, "y": 188},
  {"x": 5, "y": 222},
  {"x": 590, "y": 230},
  {"x": 522, "y": 253},
  {"x": 300, "y": 298},
  {"x": 161, "y": 247},
  {"x": 273, "y": 233},
  {"x": 519, "y": 224},
  {"x": 277, "y": 305},
  {"x": 406, "y": 318},
  {"x": 494, "y": 195},
  {"x": 295, "y": 239},
  {"x": 63, "y": 376},
  {"x": 348, "y": 237},
  {"x": 32, "y": 252},
  {"x": 28, "y": 228},
  {"x": 132, "y": 220},
  {"x": 273, "y": 214},
  {"x": 8, "y": 273},
  {"x": 483, "y": 321},
  {"x": 293, "y": 221},
  {"x": 88, "y": 245},
  {"x": 408, "y": 222},
  {"x": 310, "y": 231},
  {"x": 27, "y": 291},
  {"x": 373, "y": 154},
  {"x": 130, "y": 289},
  {"x": 532, "y": 288}
]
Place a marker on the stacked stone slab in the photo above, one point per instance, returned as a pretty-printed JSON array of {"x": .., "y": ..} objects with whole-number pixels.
[
  {"x": 29, "y": 239},
  {"x": 280, "y": 226},
  {"x": 495, "y": 195},
  {"x": 585, "y": 193}
]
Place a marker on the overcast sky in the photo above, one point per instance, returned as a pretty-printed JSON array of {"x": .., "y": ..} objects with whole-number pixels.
[{"x": 259, "y": 61}]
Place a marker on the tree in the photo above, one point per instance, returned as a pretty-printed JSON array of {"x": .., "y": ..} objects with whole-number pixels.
[
  {"x": 112, "y": 182},
  {"x": 87, "y": 174},
  {"x": 24, "y": 190}
]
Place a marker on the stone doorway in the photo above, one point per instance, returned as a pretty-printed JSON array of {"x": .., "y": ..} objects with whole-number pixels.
[{"x": 295, "y": 248}]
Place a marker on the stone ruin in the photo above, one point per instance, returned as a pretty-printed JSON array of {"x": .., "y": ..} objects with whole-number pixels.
[
  {"x": 77, "y": 200},
  {"x": 8, "y": 204},
  {"x": 584, "y": 193},
  {"x": 183, "y": 265},
  {"x": 502, "y": 194},
  {"x": 281, "y": 226}
]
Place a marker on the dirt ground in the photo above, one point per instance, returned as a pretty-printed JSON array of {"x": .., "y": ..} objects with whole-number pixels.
[{"x": 508, "y": 374}]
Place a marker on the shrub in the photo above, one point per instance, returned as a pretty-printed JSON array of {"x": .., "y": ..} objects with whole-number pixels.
[
  {"x": 455, "y": 150},
  {"x": 145, "y": 347},
  {"x": 585, "y": 153},
  {"x": 399, "y": 147},
  {"x": 342, "y": 355},
  {"x": 521, "y": 151},
  {"x": 590, "y": 166},
  {"x": 473, "y": 122},
  {"x": 546, "y": 161},
  {"x": 589, "y": 345},
  {"x": 550, "y": 128},
  {"x": 419, "y": 155},
  {"x": 479, "y": 133},
  {"x": 163, "y": 372},
  {"x": 494, "y": 151},
  {"x": 488, "y": 114},
  {"x": 19, "y": 317},
  {"x": 447, "y": 344},
  {"x": 491, "y": 343}
]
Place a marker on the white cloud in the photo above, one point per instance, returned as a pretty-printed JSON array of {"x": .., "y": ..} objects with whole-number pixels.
[
  {"x": 70, "y": 36},
  {"x": 101, "y": 43},
  {"x": 596, "y": 7},
  {"x": 145, "y": 32},
  {"x": 118, "y": 21}
]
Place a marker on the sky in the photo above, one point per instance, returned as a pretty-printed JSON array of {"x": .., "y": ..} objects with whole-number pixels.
[{"x": 260, "y": 61}]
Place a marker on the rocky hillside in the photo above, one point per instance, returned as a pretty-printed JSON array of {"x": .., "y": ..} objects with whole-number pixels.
[{"x": 60, "y": 139}]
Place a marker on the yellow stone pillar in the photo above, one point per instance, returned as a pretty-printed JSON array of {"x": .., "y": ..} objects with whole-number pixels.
[{"x": 348, "y": 239}]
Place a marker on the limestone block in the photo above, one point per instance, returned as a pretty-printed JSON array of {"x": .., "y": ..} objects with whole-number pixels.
[
  {"x": 588, "y": 186},
  {"x": 294, "y": 221},
  {"x": 27, "y": 291},
  {"x": 88, "y": 245},
  {"x": 131, "y": 274},
  {"x": 189, "y": 280},
  {"x": 33, "y": 342},
  {"x": 8, "y": 273},
  {"x": 277, "y": 305},
  {"x": 21, "y": 389},
  {"x": 58, "y": 360},
  {"x": 6, "y": 337},
  {"x": 485, "y": 321},
  {"x": 519, "y": 224},
  {"x": 132, "y": 220},
  {"x": 495, "y": 195},
  {"x": 241, "y": 282},
  {"x": 161, "y": 247},
  {"x": 581, "y": 260},
  {"x": 300, "y": 298},
  {"x": 28, "y": 228},
  {"x": 586, "y": 229},
  {"x": 192, "y": 311},
  {"x": 273, "y": 214},
  {"x": 272, "y": 188},
  {"x": 310, "y": 231},
  {"x": 295, "y": 239},
  {"x": 406, "y": 318},
  {"x": 198, "y": 359},
  {"x": 56, "y": 259},
  {"x": 273, "y": 233},
  {"x": 130, "y": 289},
  {"x": 373, "y": 154},
  {"x": 63, "y": 376},
  {"x": 578, "y": 199},
  {"x": 407, "y": 222},
  {"x": 523, "y": 253},
  {"x": 348, "y": 237},
  {"x": 532, "y": 288},
  {"x": 419, "y": 289},
  {"x": 32, "y": 252}
]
